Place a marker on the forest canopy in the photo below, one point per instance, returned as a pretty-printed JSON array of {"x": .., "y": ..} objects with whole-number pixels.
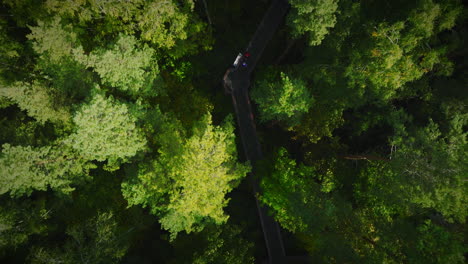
[{"x": 118, "y": 143}]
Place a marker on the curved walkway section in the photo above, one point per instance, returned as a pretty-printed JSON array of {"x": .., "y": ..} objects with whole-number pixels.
[{"x": 237, "y": 82}]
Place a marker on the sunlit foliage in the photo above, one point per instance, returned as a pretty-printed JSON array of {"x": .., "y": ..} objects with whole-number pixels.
[
  {"x": 192, "y": 175},
  {"x": 106, "y": 130},
  {"x": 25, "y": 169}
]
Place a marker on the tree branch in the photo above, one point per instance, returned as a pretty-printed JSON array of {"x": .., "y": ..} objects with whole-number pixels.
[{"x": 364, "y": 157}]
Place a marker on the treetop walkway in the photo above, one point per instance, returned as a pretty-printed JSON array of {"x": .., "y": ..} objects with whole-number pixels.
[{"x": 236, "y": 82}]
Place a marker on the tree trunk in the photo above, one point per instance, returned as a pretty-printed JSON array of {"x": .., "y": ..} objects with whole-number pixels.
[{"x": 285, "y": 52}]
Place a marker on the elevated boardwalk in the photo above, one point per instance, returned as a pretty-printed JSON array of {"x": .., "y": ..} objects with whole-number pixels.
[{"x": 237, "y": 82}]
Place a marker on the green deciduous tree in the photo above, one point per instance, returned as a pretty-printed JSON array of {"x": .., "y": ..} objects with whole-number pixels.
[
  {"x": 128, "y": 65},
  {"x": 314, "y": 18},
  {"x": 436, "y": 244},
  {"x": 225, "y": 245},
  {"x": 174, "y": 26},
  {"x": 85, "y": 10},
  {"x": 384, "y": 223},
  {"x": 290, "y": 191},
  {"x": 25, "y": 169},
  {"x": 389, "y": 232},
  {"x": 192, "y": 175},
  {"x": 305, "y": 202},
  {"x": 435, "y": 168},
  {"x": 53, "y": 41},
  {"x": 323, "y": 118},
  {"x": 93, "y": 241},
  {"x": 37, "y": 100},
  {"x": 24, "y": 12},
  {"x": 204, "y": 172},
  {"x": 390, "y": 50},
  {"x": 418, "y": 196},
  {"x": 389, "y": 55},
  {"x": 106, "y": 130},
  {"x": 284, "y": 99},
  {"x": 19, "y": 220},
  {"x": 162, "y": 22},
  {"x": 426, "y": 171},
  {"x": 114, "y": 15},
  {"x": 215, "y": 244}
]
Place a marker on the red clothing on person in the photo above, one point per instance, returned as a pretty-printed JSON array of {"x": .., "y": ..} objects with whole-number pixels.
[{"x": 247, "y": 54}]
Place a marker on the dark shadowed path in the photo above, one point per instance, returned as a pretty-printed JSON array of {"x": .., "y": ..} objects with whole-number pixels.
[{"x": 237, "y": 81}]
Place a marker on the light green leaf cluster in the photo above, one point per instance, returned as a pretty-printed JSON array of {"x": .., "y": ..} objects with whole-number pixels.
[
  {"x": 314, "y": 18},
  {"x": 106, "y": 130},
  {"x": 287, "y": 100},
  {"x": 288, "y": 191},
  {"x": 36, "y": 100},
  {"x": 25, "y": 169},
  {"x": 427, "y": 170},
  {"x": 52, "y": 41},
  {"x": 190, "y": 177},
  {"x": 435, "y": 168},
  {"x": 86, "y": 10},
  {"x": 126, "y": 65},
  {"x": 149, "y": 189},
  {"x": 163, "y": 23},
  {"x": 398, "y": 53},
  {"x": 386, "y": 57},
  {"x": 204, "y": 173}
]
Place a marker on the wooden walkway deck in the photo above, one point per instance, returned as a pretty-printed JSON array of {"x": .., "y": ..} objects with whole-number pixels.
[{"x": 238, "y": 83}]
